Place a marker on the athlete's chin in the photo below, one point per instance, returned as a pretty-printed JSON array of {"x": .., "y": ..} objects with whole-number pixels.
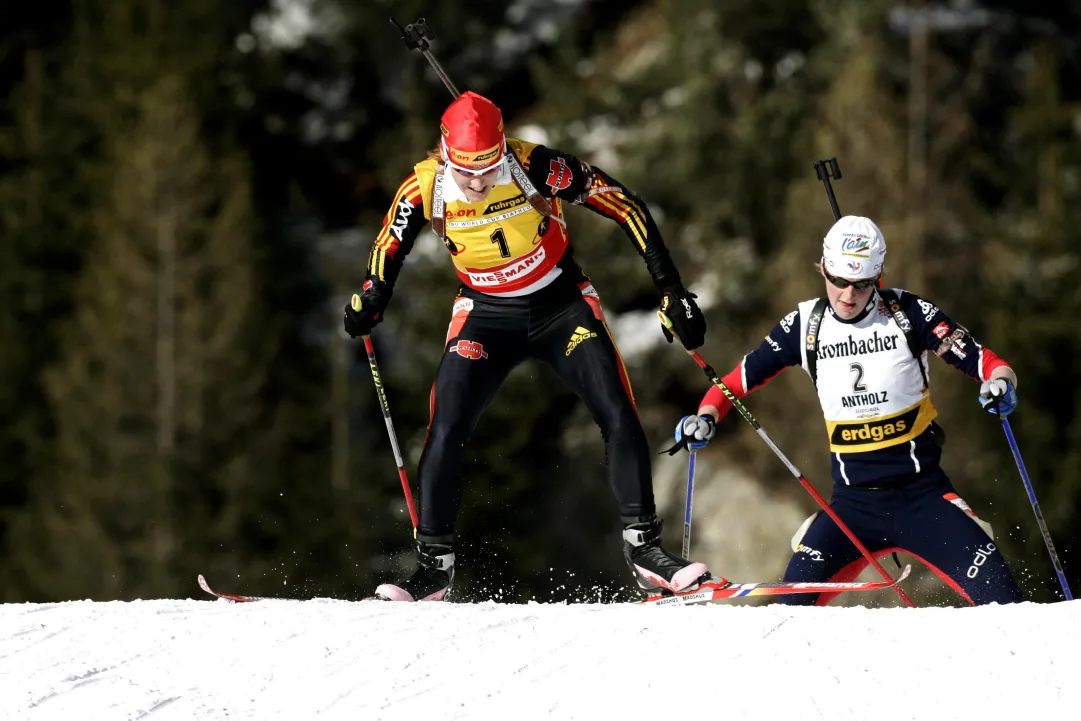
[
  {"x": 474, "y": 196},
  {"x": 846, "y": 310}
]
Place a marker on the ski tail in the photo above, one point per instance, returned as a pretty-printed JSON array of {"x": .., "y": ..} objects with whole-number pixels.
[
  {"x": 719, "y": 589},
  {"x": 234, "y": 597}
]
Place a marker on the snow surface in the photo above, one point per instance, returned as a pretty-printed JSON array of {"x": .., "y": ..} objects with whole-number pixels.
[{"x": 182, "y": 659}]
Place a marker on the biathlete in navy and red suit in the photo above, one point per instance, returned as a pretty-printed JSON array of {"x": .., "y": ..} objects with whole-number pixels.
[
  {"x": 866, "y": 350},
  {"x": 496, "y": 203}
]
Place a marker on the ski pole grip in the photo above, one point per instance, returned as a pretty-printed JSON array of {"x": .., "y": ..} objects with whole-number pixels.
[
  {"x": 357, "y": 305},
  {"x": 826, "y": 169},
  {"x": 414, "y": 35}
]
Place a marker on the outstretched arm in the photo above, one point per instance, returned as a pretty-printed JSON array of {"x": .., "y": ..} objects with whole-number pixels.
[
  {"x": 561, "y": 175},
  {"x": 953, "y": 343},
  {"x": 778, "y": 350}
]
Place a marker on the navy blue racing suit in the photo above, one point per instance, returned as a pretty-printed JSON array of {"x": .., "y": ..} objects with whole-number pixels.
[{"x": 885, "y": 445}]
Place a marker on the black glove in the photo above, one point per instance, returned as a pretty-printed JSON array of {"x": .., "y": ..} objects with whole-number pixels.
[
  {"x": 366, "y": 310},
  {"x": 685, "y": 318}
]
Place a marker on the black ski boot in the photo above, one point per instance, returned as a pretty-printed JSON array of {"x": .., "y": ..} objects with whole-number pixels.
[
  {"x": 435, "y": 572},
  {"x": 655, "y": 569}
]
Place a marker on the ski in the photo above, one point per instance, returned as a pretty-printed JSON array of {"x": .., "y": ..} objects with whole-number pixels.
[
  {"x": 718, "y": 589},
  {"x": 236, "y": 597}
]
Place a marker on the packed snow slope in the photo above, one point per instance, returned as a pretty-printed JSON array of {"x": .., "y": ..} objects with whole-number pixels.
[{"x": 167, "y": 659}]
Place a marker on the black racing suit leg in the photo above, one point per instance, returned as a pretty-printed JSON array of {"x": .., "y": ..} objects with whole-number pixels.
[
  {"x": 572, "y": 337},
  {"x": 485, "y": 341},
  {"x": 574, "y": 340}
]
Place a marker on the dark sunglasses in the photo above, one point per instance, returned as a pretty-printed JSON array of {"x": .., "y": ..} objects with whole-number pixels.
[{"x": 856, "y": 284}]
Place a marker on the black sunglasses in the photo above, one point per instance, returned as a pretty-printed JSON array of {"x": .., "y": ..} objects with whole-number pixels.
[{"x": 856, "y": 284}]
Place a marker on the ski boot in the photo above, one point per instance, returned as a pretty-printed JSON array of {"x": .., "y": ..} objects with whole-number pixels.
[
  {"x": 655, "y": 569},
  {"x": 435, "y": 572}
]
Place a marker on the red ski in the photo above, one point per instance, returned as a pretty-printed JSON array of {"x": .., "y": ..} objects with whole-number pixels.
[
  {"x": 719, "y": 589},
  {"x": 235, "y": 597},
  {"x": 716, "y": 589}
]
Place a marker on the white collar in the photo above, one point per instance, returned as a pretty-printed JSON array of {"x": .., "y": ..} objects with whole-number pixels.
[
  {"x": 452, "y": 193},
  {"x": 872, "y": 303}
]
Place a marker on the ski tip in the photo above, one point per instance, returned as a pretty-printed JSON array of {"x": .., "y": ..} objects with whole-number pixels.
[
  {"x": 904, "y": 573},
  {"x": 204, "y": 585}
]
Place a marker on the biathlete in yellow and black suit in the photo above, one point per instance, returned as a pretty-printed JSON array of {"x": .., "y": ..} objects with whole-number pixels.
[{"x": 497, "y": 205}]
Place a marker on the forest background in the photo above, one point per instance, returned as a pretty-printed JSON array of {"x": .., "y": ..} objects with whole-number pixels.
[{"x": 188, "y": 193}]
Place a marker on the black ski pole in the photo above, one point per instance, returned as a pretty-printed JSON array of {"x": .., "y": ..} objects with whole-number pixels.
[
  {"x": 416, "y": 37},
  {"x": 826, "y": 169}
]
